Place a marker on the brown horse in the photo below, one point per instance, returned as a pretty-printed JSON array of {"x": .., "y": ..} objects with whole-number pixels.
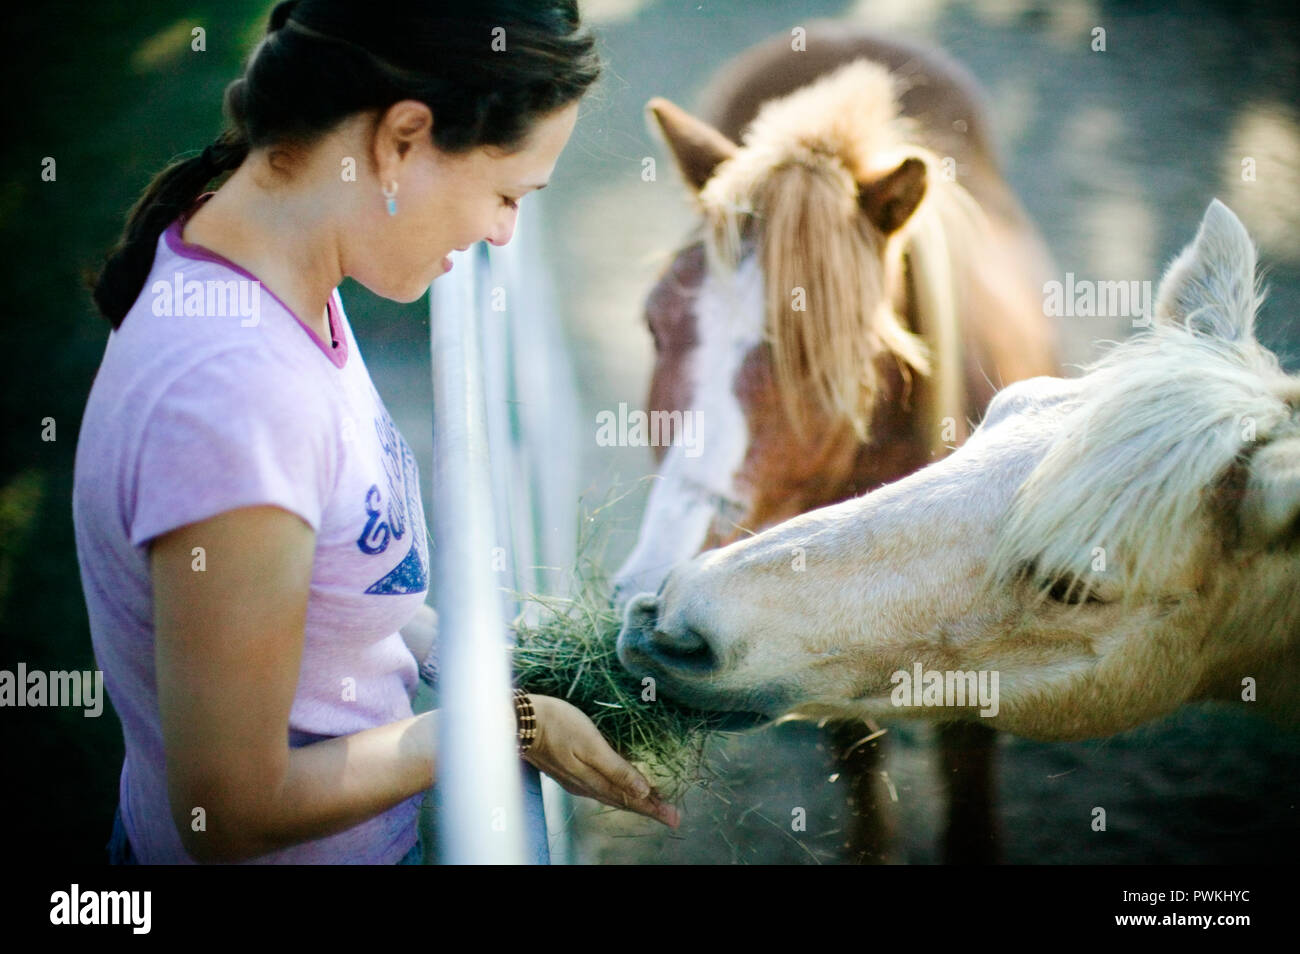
[{"x": 861, "y": 282}]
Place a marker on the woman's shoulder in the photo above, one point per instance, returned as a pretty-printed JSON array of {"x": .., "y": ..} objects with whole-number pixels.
[
  {"x": 195, "y": 296},
  {"x": 149, "y": 364},
  {"x": 168, "y": 375},
  {"x": 200, "y": 317},
  {"x": 231, "y": 427}
]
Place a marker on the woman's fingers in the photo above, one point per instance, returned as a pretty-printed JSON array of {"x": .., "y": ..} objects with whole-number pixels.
[
  {"x": 619, "y": 784},
  {"x": 571, "y": 750},
  {"x": 589, "y": 782}
]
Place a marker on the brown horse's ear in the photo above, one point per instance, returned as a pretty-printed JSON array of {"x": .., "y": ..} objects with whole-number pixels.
[
  {"x": 890, "y": 200},
  {"x": 697, "y": 146}
]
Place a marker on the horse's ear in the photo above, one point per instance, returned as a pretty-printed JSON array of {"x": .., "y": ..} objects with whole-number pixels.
[
  {"x": 890, "y": 200},
  {"x": 697, "y": 147},
  {"x": 1270, "y": 506},
  {"x": 1210, "y": 286}
]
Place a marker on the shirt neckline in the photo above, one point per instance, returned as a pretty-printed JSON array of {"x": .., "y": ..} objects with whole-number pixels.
[{"x": 337, "y": 355}]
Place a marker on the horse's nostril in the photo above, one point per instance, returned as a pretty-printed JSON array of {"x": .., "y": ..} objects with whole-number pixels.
[
  {"x": 642, "y": 642},
  {"x": 640, "y": 611},
  {"x": 685, "y": 648}
]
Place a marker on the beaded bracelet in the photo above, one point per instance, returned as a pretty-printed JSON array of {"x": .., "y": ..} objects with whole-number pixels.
[
  {"x": 429, "y": 669},
  {"x": 525, "y": 721}
]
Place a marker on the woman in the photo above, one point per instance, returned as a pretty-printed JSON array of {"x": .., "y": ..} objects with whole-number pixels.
[{"x": 248, "y": 519}]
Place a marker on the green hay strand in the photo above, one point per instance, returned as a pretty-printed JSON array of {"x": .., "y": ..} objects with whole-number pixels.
[{"x": 570, "y": 653}]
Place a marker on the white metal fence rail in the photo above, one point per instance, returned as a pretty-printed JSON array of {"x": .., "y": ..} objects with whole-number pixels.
[
  {"x": 504, "y": 509},
  {"x": 481, "y": 818}
]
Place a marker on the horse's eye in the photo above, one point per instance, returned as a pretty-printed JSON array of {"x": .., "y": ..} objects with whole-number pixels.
[{"x": 1073, "y": 592}]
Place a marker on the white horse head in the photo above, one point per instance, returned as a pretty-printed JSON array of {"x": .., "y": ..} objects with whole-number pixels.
[{"x": 1102, "y": 549}]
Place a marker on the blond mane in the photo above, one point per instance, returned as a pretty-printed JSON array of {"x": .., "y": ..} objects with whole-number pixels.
[
  {"x": 1138, "y": 459},
  {"x": 796, "y": 181}
]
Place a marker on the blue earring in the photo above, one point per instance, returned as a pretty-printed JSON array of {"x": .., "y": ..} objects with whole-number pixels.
[{"x": 390, "y": 195}]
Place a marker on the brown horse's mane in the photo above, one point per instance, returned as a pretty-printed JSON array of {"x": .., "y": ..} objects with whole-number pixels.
[{"x": 833, "y": 281}]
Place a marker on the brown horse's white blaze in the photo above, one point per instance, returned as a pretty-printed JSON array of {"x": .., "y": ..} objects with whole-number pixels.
[
  {"x": 1111, "y": 546},
  {"x": 696, "y": 486}
]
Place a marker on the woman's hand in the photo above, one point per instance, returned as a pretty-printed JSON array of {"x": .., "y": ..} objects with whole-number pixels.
[{"x": 572, "y": 751}]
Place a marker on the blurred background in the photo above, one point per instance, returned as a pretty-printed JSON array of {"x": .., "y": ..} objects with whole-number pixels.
[{"x": 1114, "y": 154}]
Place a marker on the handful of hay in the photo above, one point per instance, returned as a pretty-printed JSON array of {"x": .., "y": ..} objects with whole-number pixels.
[{"x": 571, "y": 654}]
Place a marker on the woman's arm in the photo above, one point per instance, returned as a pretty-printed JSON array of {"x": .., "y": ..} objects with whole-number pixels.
[
  {"x": 229, "y": 643},
  {"x": 228, "y": 647}
]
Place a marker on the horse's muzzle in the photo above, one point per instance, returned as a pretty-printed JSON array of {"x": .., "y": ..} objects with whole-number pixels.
[{"x": 646, "y": 650}]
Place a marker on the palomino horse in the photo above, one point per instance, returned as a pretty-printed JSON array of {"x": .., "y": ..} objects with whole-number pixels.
[
  {"x": 1111, "y": 547},
  {"x": 861, "y": 281}
]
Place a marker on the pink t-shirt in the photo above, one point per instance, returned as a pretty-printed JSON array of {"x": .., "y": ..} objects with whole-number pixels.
[{"x": 211, "y": 396}]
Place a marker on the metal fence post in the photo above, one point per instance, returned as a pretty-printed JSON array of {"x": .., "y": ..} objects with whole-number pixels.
[{"x": 480, "y": 801}]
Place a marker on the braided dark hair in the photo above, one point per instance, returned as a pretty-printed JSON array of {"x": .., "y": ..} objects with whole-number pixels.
[{"x": 322, "y": 61}]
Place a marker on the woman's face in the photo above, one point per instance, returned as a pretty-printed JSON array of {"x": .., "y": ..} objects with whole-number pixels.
[{"x": 445, "y": 201}]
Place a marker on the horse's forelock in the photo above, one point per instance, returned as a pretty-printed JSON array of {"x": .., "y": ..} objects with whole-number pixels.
[
  {"x": 828, "y": 287},
  {"x": 791, "y": 196}
]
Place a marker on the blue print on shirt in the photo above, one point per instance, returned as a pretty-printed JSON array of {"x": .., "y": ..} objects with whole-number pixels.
[{"x": 387, "y": 520}]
